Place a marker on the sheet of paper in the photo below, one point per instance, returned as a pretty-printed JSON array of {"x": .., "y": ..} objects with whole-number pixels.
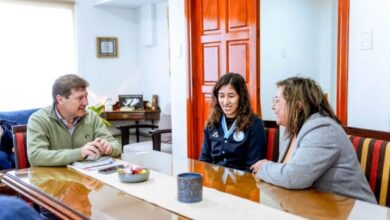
[{"x": 88, "y": 164}]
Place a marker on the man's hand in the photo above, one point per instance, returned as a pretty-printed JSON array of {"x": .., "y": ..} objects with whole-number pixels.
[
  {"x": 103, "y": 146},
  {"x": 257, "y": 166},
  {"x": 89, "y": 149}
]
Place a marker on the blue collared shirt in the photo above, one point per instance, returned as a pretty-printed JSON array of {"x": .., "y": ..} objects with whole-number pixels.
[{"x": 71, "y": 129}]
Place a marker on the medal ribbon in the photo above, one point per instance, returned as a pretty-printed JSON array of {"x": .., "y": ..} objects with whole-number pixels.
[{"x": 226, "y": 132}]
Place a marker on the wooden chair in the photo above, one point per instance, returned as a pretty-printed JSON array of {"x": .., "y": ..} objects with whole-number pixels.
[
  {"x": 21, "y": 160},
  {"x": 380, "y": 135},
  {"x": 161, "y": 140},
  {"x": 20, "y": 146},
  {"x": 125, "y": 132},
  {"x": 156, "y": 138}
]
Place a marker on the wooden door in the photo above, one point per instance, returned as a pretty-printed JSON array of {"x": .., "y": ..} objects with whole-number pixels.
[{"x": 224, "y": 37}]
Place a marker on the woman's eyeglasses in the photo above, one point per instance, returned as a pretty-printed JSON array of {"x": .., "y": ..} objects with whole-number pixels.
[{"x": 275, "y": 100}]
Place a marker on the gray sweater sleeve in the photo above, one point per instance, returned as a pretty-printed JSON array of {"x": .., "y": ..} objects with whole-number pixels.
[{"x": 316, "y": 151}]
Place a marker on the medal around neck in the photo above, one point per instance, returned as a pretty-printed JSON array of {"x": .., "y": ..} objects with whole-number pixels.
[{"x": 238, "y": 136}]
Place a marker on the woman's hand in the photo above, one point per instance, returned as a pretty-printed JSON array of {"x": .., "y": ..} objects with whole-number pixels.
[{"x": 257, "y": 166}]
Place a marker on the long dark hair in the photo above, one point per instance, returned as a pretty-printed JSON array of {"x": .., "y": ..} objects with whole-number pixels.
[
  {"x": 304, "y": 97},
  {"x": 244, "y": 110}
]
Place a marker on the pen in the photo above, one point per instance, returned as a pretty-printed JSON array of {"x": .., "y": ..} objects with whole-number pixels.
[{"x": 94, "y": 167}]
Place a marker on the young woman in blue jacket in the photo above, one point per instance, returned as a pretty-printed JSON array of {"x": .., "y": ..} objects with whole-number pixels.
[{"x": 234, "y": 137}]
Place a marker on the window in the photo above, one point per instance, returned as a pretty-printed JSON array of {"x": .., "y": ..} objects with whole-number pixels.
[{"x": 37, "y": 45}]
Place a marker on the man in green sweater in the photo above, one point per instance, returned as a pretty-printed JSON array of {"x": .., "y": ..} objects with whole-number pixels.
[{"x": 66, "y": 131}]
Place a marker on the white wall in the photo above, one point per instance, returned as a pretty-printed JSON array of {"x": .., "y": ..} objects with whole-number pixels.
[
  {"x": 369, "y": 70},
  {"x": 297, "y": 38},
  {"x": 179, "y": 75},
  {"x": 369, "y": 90},
  {"x": 153, "y": 60},
  {"x": 137, "y": 69},
  {"x": 108, "y": 77},
  {"x": 369, "y": 77},
  {"x": 37, "y": 45},
  {"x": 327, "y": 47}
]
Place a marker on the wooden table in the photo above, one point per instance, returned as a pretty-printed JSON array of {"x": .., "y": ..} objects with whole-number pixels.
[
  {"x": 136, "y": 115},
  {"x": 72, "y": 195},
  {"x": 307, "y": 203}
]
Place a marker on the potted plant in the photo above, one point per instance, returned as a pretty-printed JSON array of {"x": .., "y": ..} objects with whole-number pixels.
[{"x": 99, "y": 109}]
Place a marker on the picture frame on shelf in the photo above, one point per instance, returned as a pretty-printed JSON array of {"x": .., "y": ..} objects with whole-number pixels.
[
  {"x": 131, "y": 102},
  {"x": 107, "y": 47}
]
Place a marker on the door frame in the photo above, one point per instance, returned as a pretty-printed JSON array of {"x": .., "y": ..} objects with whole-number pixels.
[
  {"x": 342, "y": 69},
  {"x": 342, "y": 61}
]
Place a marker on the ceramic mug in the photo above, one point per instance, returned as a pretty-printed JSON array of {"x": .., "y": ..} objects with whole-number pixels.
[{"x": 189, "y": 187}]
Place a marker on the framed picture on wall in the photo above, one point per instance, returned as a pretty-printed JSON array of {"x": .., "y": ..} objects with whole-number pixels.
[
  {"x": 107, "y": 47},
  {"x": 131, "y": 102}
]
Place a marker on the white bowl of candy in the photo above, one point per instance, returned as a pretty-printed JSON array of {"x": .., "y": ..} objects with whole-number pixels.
[{"x": 131, "y": 173}]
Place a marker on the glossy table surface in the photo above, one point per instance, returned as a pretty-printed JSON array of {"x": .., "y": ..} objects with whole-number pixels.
[
  {"x": 305, "y": 203},
  {"x": 70, "y": 194}
]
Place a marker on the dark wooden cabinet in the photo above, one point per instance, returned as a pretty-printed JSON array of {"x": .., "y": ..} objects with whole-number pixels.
[{"x": 137, "y": 115}]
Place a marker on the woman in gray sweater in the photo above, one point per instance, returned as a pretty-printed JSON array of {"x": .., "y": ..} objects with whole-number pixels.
[{"x": 314, "y": 150}]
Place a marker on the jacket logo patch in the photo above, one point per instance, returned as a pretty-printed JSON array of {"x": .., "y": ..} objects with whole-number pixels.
[
  {"x": 238, "y": 136},
  {"x": 215, "y": 134}
]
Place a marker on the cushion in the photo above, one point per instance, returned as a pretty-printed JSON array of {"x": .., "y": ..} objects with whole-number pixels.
[
  {"x": 165, "y": 123},
  {"x": 272, "y": 137},
  {"x": 20, "y": 116},
  {"x": 145, "y": 146},
  {"x": 21, "y": 160},
  {"x": 374, "y": 157}
]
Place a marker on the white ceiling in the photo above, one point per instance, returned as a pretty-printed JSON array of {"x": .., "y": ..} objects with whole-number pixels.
[{"x": 124, "y": 3}]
